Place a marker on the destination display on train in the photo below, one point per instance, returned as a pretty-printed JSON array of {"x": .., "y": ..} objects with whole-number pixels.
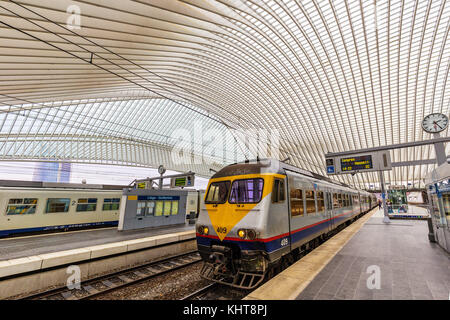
[{"x": 356, "y": 163}]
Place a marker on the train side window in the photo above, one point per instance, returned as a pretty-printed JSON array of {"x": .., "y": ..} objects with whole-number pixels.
[
  {"x": 111, "y": 204},
  {"x": 278, "y": 194},
  {"x": 310, "y": 202},
  {"x": 296, "y": 200},
  {"x": 87, "y": 204},
  {"x": 55, "y": 205},
  {"x": 21, "y": 206},
  {"x": 336, "y": 202},
  {"x": 341, "y": 200},
  {"x": 320, "y": 201}
]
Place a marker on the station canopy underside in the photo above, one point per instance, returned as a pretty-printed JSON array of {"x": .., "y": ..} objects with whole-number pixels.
[{"x": 111, "y": 81}]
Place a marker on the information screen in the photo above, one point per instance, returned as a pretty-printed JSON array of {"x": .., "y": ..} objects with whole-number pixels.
[
  {"x": 356, "y": 163},
  {"x": 180, "y": 182}
]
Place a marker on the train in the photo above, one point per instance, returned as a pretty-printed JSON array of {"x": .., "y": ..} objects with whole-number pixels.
[
  {"x": 36, "y": 207},
  {"x": 259, "y": 216}
]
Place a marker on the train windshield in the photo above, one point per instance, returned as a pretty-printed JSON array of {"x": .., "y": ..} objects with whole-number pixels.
[
  {"x": 218, "y": 192},
  {"x": 246, "y": 191}
]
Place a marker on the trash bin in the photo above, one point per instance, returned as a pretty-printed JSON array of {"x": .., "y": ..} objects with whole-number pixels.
[
  {"x": 431, "y": 236},
  {"x": 192, "y": 217}
]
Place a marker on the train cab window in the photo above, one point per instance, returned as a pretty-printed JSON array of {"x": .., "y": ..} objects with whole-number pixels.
[
  {"x": 278, "y": 191},
  {"x": 336, "y": 201},
  {"x": 320, "y": 201},
  {"x": 217, "y": 192},
  {"x": 55, "y": 205},
  {"x": 310, "y": 202},
  {"x": 246, "y": 191},
  {"x": 87, "y": 204},
  {"x": 296, "y": 199},
  {"x": 111, "y": 204},
  {"x": 21, "y": 206}
]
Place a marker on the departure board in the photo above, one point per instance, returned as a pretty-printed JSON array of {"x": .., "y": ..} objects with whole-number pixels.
[
  {"x": 356, "y": 163},
  {"x": 180, "y": 182}
]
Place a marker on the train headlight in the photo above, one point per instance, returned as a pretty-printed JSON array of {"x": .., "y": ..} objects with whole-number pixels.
[
  {"x": 203, "y": 230},
  {"x": 251, "y": 234},
  {"x": 247, "y": 234}
]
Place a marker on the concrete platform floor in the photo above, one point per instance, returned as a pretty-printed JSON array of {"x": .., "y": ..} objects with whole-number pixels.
[
  {"x": 34, "y": 245},
  {"x": 410, "y": 267}
]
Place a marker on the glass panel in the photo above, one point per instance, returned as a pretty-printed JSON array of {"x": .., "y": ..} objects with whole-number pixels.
[
  {"x": 310, "y": 203},
  {"x": 336, "y": 202},
  {"x": 275, "y": 190},
  {"x": 320, "y": 201},
  {"x": 15, "y": 206},
  {"x": 111, "y": 204},
  {"x": 150, "y": 208},
  {"x": 174, "y": 207},
  {"x": 246, "y": 191},
  {"x": 57, "y": 205},
  {"x": 218, "y": 192},
  {"x": 87, "y": 204},
  {"x": 158, "y": 208},
  {"x": 296, "y": 196},
  {"x": 167, "y": 208}
]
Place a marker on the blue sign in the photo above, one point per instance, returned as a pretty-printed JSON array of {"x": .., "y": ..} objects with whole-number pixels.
[
  {"x": 158, "y": 197},
  {"x": 330, "y": 169}
]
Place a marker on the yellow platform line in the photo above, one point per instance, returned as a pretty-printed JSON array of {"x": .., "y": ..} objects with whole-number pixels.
[{"x": 292, "y": 281}]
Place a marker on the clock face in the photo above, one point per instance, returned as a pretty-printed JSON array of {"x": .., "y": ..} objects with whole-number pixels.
[
  {"x": 161, "y": 169},
  {"x": 435, "y": 122}
]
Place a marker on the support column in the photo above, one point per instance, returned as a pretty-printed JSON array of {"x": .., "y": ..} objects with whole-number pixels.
[{"x": 383, "y": 197}]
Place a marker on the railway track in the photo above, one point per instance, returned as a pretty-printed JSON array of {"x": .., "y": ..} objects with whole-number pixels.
[
  {"x": 100, "y": 285},
  {"x": 217, "y": 291}
]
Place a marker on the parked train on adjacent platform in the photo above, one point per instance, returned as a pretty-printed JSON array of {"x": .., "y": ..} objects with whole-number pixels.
[
  {"x": 257, "y": 215},
  {"x": 25, "y": 210}
]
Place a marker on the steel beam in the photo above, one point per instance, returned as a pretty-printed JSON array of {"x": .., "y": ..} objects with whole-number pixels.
[{"x": 390, "y": 147}]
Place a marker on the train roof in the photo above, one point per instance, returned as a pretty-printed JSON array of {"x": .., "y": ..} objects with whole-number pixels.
[
  {"x": 268, "y": 165},
  {"x": 38, "y": 184}
]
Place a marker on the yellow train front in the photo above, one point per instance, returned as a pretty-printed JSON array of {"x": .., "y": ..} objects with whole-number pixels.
[{"x": 250, "y": 224}]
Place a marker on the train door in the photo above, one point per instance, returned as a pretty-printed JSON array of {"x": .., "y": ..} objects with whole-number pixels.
[
  {"x": 329, "y": 210},
  {"x": 279, "y": 208}
]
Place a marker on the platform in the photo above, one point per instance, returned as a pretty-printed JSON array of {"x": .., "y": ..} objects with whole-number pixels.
[
  {"x": 410, "y": 266},
  {"x": 13, "y": 248},
  {"x": 34, "y": 263}
]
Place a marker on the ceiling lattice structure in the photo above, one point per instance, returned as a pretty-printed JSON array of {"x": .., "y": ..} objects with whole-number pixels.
[{"x": 329, "y": 75}]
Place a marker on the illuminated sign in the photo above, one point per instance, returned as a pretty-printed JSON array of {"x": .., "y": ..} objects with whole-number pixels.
[
  {"x": 180, "y": 182},
  {"x": 356, "y": 163},
  {"x": 363, "y": 162}
]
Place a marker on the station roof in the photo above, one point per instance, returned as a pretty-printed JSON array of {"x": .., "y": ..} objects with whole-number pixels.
[{"x": 112, "y": 84}]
